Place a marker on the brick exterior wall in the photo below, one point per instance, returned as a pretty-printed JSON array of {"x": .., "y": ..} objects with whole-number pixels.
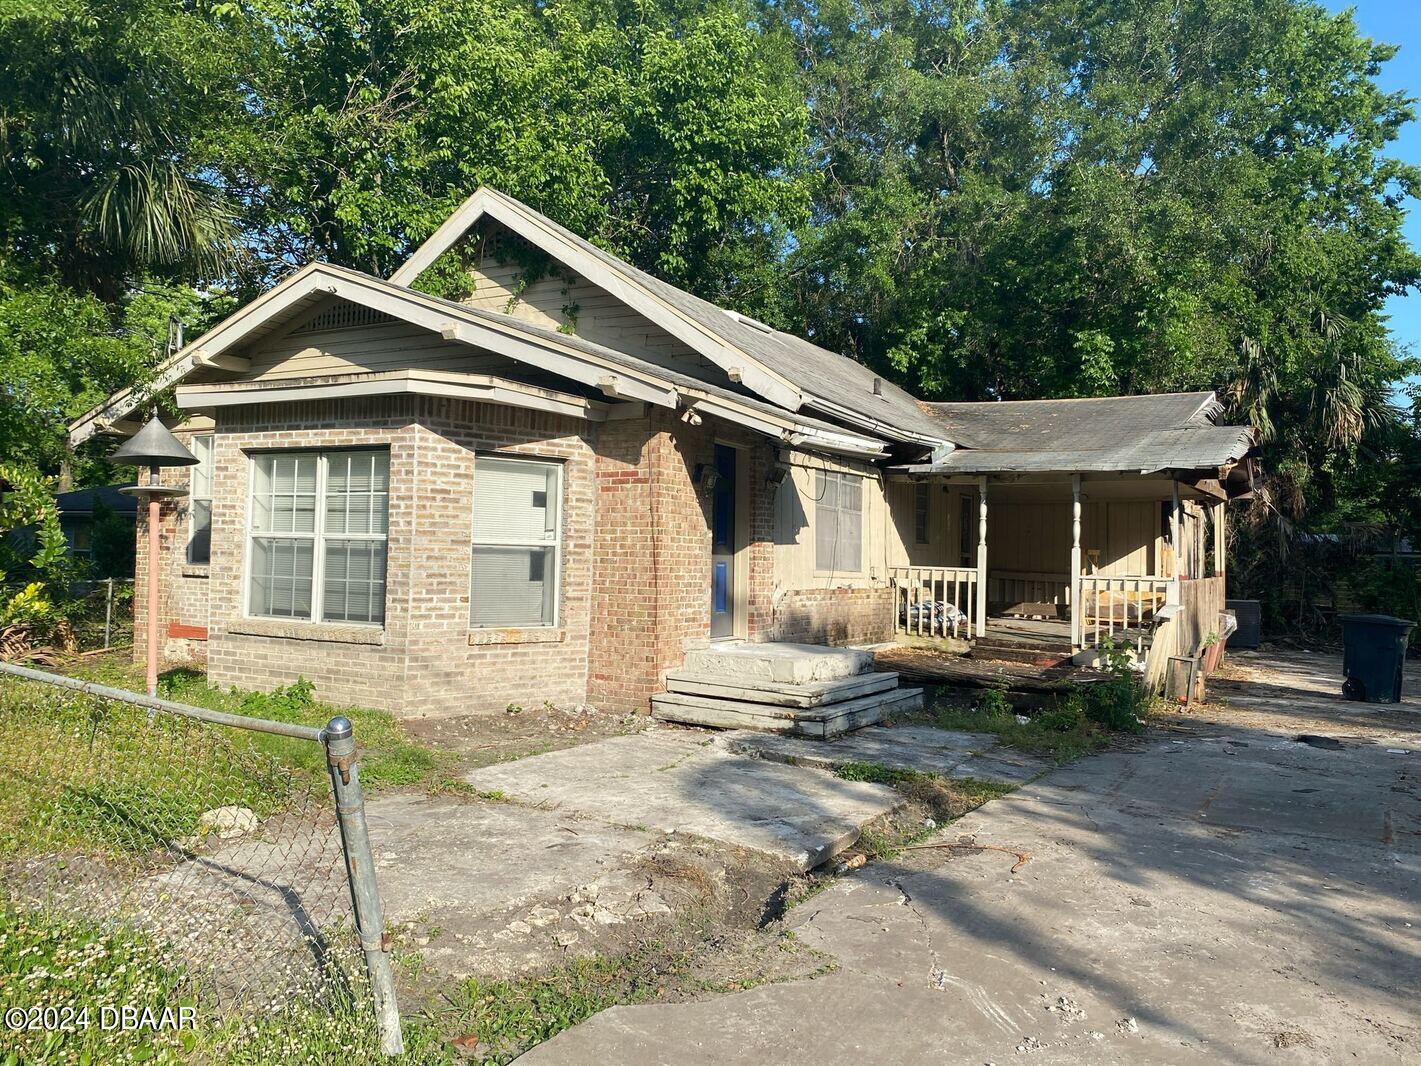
[
  {"x": 183, "y": 588},
  {"x": 634, "y": 573},
  {"x": 833, "y": 616}
]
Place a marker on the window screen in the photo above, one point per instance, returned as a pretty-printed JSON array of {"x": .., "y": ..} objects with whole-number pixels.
[
  {"x": 838, "y": 522},
  {"x": 318, "y": 535},
  {"x": 514, "y": 572}
]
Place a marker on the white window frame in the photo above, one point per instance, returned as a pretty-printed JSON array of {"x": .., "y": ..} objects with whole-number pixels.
[
  {"x": 504, "y": 542},
  {"x": 317, "y": 533},
  {"x": 858, "y": 481},
  {"x": 193, "y": 498}
]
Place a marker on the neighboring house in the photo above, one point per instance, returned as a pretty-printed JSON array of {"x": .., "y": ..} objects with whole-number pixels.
[
  {"x": 556, "y": 486},
  {"x": 77, "y": 510}
]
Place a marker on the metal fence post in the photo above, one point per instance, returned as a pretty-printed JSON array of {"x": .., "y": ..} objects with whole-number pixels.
[
  {"x": 108, "y": 611},
  {"x": 339, "y": 737}
]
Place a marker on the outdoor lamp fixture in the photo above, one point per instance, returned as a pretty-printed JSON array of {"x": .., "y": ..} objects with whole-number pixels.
[{"x": 153, "y": 446}]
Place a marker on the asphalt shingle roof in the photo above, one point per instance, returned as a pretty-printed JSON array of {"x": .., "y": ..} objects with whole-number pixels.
[
  {"x": 1115, "y": 433},
  {"x": 814, "y": 370}
]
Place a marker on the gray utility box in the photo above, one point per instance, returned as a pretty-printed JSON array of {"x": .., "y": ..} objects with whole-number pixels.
[{"x": 1250, "y": 623}]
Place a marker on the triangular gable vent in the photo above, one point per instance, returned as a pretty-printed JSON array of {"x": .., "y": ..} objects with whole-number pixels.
[{"x": 343, "y": 315}]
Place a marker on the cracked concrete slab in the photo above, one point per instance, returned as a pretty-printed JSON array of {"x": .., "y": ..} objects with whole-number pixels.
[
  {"x": 678, "y": 781},
  {"x": 1235, "y": 897},
  {"x": 925, "y": 749}
]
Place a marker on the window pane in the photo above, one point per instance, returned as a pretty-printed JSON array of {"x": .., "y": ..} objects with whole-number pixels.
[
  {"x": 515, "y": 502},
  {"x": 357, "y": 492},
  {"x": 353, "y": 589},
  {"x": 838, "y": 522},
  {"x": 284, "y": 494},
  {"x": 202, "y": 473},
  {"x": 281, "y": 577},
  {"x": 512, "y": 586},
  {"x": 199, "y": 547}
]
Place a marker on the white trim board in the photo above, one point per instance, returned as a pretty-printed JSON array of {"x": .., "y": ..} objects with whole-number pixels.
[{"x": 486, "y": 388}]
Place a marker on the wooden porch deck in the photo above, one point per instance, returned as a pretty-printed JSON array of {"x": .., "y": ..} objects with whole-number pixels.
[{"x": 917, "y": 665}]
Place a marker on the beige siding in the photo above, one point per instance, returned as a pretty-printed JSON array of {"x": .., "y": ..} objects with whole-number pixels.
[
  {"x": 944, "y": 543},
  {"x": 795, "y": 567},
  {"x": 365, "y": 349},
  {"x": 1025, "y": 534},
  {"x": 575, "y": 304}
]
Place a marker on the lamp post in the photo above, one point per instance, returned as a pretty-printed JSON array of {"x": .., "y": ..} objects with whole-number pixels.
[{"x": 155, "y": 447}]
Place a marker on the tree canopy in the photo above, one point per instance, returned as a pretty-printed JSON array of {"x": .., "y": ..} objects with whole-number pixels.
[{"x": 981, "y": 198}]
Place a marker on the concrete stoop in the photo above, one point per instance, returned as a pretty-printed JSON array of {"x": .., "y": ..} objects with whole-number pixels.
[{"x": 801, "y": 689}]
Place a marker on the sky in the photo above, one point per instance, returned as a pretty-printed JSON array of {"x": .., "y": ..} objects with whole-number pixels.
[{"x": 1399, "y": 22}]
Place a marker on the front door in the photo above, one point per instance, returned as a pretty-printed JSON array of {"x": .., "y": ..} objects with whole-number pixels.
[{"x": 723, "y": 544}]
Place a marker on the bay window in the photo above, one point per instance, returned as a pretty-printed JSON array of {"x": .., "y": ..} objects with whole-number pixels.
[
  {"x": 317, "y": 535},
  {"x": 514, "y": 572}
]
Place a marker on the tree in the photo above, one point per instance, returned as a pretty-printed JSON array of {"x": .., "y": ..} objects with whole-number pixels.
[
  {"x": 111, "y": 112},
  {"x": 1063, "y": 197},
  {"x": 669, "y": 131}
]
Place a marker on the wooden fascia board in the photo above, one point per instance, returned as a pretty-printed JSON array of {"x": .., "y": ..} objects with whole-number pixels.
[
  {"x": 406, "y": 306},
  {"x": 754, "y": 375},
  {"x": 504, "y": 340},
  {"x": 240, "y": 323},
  {"x": 871, "y": 424},
  {"x": 787, "y": 429},
  {"x": 478, "y": 387}
]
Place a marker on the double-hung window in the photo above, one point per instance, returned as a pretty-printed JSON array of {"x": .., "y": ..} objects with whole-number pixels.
[
  {"x": 199, "y": 543},
  {"x": 517, "y": 504},
  {"x": 838, "y": 522},
  {"x": 318, "y": 531},
  {"x": 922, "y": 512}
]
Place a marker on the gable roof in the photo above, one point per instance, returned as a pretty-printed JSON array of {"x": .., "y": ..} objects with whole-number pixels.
[
  {"x": 594, "y": 366},
  {"x": 1141, "y": 434},
  {"x": 784, "y": 369}
]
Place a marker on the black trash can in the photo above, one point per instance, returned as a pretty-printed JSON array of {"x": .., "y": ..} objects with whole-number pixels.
[{"x": 1373, "y": 654}]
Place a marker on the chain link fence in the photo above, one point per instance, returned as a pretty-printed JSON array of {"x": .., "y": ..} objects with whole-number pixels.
[
  {"x": 89, "y": 616},
  {"x": 234, "y": 847}
]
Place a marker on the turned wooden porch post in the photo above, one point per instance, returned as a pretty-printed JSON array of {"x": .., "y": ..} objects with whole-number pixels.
[
  {"x": 1220, "y": 539},
  {"x": 1075, "y": 562},
  {"x": 982, "y": 555},
  {"x": 1175, "y": 533}
]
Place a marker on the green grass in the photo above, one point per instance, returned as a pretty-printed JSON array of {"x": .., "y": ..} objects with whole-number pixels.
[
  {"x": 948, "y": 798},
  {"x": 1084, "y": 720},
  {"x": 69, "y": 964},
  {"x": 500, "y": 1020},
  {"x": 54, "y": 960},
  {"x": 388, "y": 756},
  {"x": 105, "y": 776}
]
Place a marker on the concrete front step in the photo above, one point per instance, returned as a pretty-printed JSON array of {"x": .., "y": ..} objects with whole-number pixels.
[
  {"x": 754, "y": 690},
  {"x": 789, "y": 664},
  {"x": 828, "y": 720}
]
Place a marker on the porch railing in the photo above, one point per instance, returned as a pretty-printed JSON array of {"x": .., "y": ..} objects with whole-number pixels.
[
  {"x": 1027, "y": 587},
  {"x": 935, "y": 601},
  {"x": 1119, "y": 607}
]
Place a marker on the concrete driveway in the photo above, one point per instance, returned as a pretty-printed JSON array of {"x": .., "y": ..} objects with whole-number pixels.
[{"x": 1222, "y": 893}]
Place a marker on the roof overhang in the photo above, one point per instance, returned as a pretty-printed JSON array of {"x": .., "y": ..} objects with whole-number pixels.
[
  {"x": 615, "y": 376},
  {"x": 488, "y": 388}
]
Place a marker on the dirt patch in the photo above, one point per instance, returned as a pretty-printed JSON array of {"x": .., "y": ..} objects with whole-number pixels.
[
  {"x": 1293, "y": 691},
  {"x": 483, "y": 739}
]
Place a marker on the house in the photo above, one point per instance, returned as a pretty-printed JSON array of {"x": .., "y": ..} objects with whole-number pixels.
[
  {"x": 79, "y": 509},
  {"x": 556, "y": 483}
]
